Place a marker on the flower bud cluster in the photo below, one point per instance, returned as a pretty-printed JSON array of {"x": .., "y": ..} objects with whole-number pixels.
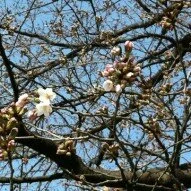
[
  {"x": 122, "y": 72},
  {"x": 8, "y": 123},
  {"x": 102, "y": 110},
  {"x": 116, "y": 51},
  {"x": 144, "y": 97},
  {"x": 168, "y": 21},
  {"x": 7, "y": 22},
  {"x": 25, "y": 160},
  {"x": 66, "y": 148},
  {"x": 111, "y": 149},
  {"x": 153, "y": 128},
  {"x": 8, "y": 130},
  {"x": 164, "y": 89}
]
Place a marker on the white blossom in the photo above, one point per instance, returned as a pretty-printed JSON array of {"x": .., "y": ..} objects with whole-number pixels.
[
  {"x": 108, "y": 85},
  {"x": 118, "y": 88},
  {"x": 43, "y": 108},
  {"x": 45, "y": 95}
]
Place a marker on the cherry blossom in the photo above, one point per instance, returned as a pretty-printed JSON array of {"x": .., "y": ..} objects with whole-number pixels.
[
  {"x": 108, "y": 85},
  {"x": 43, "y": 108},
  {"x": 45, "y": 95}
]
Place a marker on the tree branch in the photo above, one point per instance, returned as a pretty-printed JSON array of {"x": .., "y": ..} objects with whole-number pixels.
[
  {"x": 109, "y": 178},
  {"x": 7, "y": 64}
]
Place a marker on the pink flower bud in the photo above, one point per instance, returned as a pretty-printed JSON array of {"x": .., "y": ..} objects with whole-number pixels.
[
  {"x": 4, "y": 110},
  {"x": 115, "y": 64},
  {"x": 105, "y": 73},
  {"x": 11, "y": 144},
  {"x": 108, "y": 66},
  {"x": 121, "y": 65},
  {"x": 32, "y": 115},
  {"x": 22, "y": 101},
  {"x": 111, "y": 70},
  {"x": 128, "y": 46}
]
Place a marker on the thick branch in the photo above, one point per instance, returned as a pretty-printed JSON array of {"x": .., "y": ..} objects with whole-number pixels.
[
  {"x": 7, "y": 64},
  {"x": 32, "y": 179},
  {"x": 102, "y": 177}
]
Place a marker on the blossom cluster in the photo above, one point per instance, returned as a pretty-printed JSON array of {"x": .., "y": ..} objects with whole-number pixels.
[
  {"x": 45, "y": 96},
  {"x": 122, "y": 72},
  {"x": 153, "y": 128},
  {"x": 44, "y": 105},
  {"x": 166, "y": 23},
  {"x": 9, "y": 125},
  {"x": 8, "y": 129},
  {"x": 66, "y": 148}
]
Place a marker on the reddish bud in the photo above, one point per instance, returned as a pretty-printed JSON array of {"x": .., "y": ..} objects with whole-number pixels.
[
  {"x": 32, "y": 115},
  {"x": 128, "y": 46}
]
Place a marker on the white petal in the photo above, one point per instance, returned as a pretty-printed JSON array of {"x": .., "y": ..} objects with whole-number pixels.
[
  {"x": 39, "y": 109},
  {"x": 44, "y": 99},
  {"x": 118, "y": 88},
  {"x": 108, "y": 85},
  {"x": 46, "y": 94},
  {"x": 47, "y": 111},
  {"x": 43, "y": 108},
  {"x": 40, "y": 91}
]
